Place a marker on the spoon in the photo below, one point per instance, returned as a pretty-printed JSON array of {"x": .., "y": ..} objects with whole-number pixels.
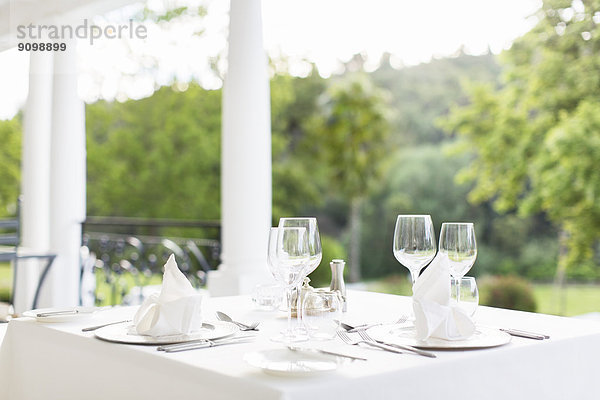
[
  {"x": 224, "y": 317},
  {"x": 364, "y": 327},
  {"x": 93, "y": 328},
  {"x": 346, "y": 326}
]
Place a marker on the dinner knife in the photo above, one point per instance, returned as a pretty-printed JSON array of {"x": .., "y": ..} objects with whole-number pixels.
[
  {"x": 62, "y": 312},
  {"x": 203, "y": 345},
  {"x": 409, "y": 348},
  {"x": 525, "y": 334}
]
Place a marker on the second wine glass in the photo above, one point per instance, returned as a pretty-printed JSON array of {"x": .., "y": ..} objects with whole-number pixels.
[
  {"x": 414, "y": 242},
  {"x": 459, "y": 247},
  {"x": 314, "y": 249},
  {"x": 288, "y": 257}
]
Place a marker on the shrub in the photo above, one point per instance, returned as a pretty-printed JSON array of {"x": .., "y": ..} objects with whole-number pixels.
[
  {"x": 4, "y": 295},
  {"x": 507, "y": 292},
  {"x": 393, "y": 284},
  {"x": 539, "y": 258}
]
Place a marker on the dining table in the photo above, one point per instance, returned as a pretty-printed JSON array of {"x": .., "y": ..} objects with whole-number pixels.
[{"x": 44, "y": 360}]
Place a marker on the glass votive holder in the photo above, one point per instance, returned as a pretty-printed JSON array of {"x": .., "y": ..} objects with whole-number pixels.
[
  {"x": 321, "y": 313},
  {"x": 469, "y": 295},
  {"x": 267, "y": 296}
]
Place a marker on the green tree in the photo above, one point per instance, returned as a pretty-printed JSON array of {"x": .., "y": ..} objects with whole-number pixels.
[
  {"x": 350, "y": 136},
  {"x": 422, "y": 93},
  {"x": 297, "y": 179},
  {"x": 10, "y": 162},
  {"x": 536, "y": 139},
  {"x": 157, "y": 157},
  {"x": 164, "y": 152}
]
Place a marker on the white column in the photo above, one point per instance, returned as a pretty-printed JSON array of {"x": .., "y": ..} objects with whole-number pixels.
[
  {"x": 67, "y": 182},
  {"x": 246, "y": 156},
  {"x": 35, "y": 176}
]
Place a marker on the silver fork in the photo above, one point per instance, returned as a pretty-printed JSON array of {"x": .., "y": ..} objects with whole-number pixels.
[
  {"x": 348, "y": 340},
  {"x": 363, "y": 334},
  {"x": 401, "y": 320}
]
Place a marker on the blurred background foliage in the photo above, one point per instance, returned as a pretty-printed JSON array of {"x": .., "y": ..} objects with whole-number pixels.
[{"x": 510, "y": 143}]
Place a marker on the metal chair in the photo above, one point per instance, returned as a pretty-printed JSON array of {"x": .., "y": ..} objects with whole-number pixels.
[{"x": 11, "y": 251}]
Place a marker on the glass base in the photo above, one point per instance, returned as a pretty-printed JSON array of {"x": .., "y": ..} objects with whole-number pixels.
[
  {"x": 289, "y": 337},
  {"x": 322, "y": 336}
]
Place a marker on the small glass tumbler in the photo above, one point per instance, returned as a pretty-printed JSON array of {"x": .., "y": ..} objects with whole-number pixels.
[
  {"x": 469, "y": 295},
  {"x": 321, "y": 314},
  {"x": 267, "y": 297}
]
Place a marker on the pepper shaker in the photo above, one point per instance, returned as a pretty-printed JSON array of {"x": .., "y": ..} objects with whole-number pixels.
[{"x": 337, "y": 280}]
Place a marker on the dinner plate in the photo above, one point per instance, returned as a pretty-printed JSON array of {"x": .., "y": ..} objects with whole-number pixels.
[
  {"x": 127, "y": 334},
  {"x": 286, "y": 362},
  {"x": 482, "y": 338},
  {"x": 82, "y": 313}
]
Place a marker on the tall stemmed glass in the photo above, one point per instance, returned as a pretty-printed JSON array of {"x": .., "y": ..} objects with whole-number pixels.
[
  {"x": 414, "y": 242},
  {"x": 458, "y": 245},
  {"x": 314, "y": 244},
  {"x": 288, "y": 257}
]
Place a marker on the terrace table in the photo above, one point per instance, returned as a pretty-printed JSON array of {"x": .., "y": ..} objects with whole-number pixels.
[{"x": 58, "y": 361}]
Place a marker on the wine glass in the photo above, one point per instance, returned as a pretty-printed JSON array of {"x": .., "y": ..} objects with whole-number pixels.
[
  {"x": 459, "y": 247},
  {"x": 314, "y": 240},
  {"x": 469, "y": 295},
  {"x": 288, "y": 257},
  {"x": 414, "y": 242},
  {"x": 314, "y": 244}
]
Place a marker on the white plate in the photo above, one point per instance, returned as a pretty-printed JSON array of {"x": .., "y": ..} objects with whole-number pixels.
[
  {"x": 482, "y": 338},
  {"x": 127, "y": 334},
  {"x": 83, "y": 313},
  {"x": 292, "y": 363}
]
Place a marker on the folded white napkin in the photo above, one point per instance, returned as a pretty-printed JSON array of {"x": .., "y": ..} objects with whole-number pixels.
[
  {"x": 435, "y": 316},
  {"x": 175, "y": 310}
]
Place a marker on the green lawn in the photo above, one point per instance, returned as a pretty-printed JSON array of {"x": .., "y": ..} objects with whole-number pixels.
[
  {"x": 104, "y": 290},
  {"x": 5, "y": 281},
  {"x": 573, "y": 300}
]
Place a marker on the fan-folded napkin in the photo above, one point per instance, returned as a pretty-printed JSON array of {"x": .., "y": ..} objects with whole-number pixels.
[
  {"x": 175, "y": 310},
  {"x": 435, "y": 316}
]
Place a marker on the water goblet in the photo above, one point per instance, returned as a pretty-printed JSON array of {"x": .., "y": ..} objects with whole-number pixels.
[
  {"x": 288, "y": 257},
  {"x": 314, "y": 244},
  {"x": 469, "y": 295}
]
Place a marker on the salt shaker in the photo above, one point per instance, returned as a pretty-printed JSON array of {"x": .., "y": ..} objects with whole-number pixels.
[{"x": 337, "y": 280}]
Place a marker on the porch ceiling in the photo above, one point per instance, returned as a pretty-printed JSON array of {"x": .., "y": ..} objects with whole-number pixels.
[{"x": 23, "y": 12}]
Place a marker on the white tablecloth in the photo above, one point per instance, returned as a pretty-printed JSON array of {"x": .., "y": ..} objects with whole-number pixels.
[{"x": 58, "y": 361}]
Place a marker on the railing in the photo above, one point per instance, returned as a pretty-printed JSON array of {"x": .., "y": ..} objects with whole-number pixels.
[{"x": 123, "y": 255}]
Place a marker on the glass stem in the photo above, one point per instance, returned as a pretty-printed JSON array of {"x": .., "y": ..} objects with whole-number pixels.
[
  {"x": 289, "y": 310},
  {"x": 457, "y": 291},
  {"x": 414, "y": 274},
  {"x": 298, "y": 301}
]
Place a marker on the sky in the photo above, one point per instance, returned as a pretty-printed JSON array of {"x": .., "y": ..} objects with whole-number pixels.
[{"x": 325, "y": 32}]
